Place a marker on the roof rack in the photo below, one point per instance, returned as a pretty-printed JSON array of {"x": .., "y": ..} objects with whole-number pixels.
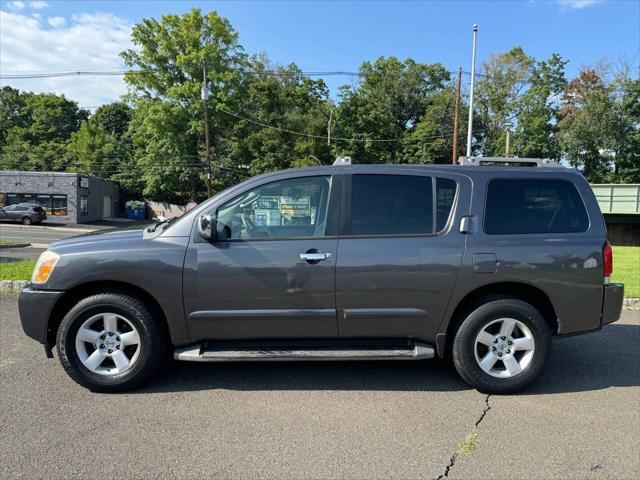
[
  {"x": 342, "y": 161},
  {"x": 508, "y": 162}
]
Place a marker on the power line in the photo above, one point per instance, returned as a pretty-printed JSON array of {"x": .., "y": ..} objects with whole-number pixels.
[
  {"x": 325, "y": 137},
  {"x": 82, "y": 73}
]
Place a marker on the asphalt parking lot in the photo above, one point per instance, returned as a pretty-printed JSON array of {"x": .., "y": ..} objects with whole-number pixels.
[{"x": 324, "y": 420}]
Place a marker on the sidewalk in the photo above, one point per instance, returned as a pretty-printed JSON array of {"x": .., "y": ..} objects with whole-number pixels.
[{"x": 81, "y": 227}]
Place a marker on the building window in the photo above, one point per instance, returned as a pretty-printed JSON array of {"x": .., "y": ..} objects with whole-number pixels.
[
  {"x": 84, "y": 205},
  {"x": 45, "y": 202},
  {"x": 52, "y": 204},
  {"x": 59, "y": 207}
]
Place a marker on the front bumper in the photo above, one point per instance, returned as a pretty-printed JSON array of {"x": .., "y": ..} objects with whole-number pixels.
[
  {"x": 35, "y": 307},
  {"x": 612, "y": 302}
]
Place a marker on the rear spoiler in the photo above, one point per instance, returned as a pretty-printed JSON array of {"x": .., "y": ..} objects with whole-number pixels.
[{"x": 509, "y": 162}]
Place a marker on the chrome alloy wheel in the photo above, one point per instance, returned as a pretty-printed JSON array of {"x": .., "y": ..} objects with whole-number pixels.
[
  {"x": 108, "y": 344},
  {"x": 504, "y": 348}
]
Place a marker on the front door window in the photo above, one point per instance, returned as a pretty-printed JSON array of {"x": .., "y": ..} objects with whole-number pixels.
[{"x": 287, "y": 209}]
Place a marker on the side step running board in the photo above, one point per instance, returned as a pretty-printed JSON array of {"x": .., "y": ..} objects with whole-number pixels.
[{"x": 201, "y": 353}]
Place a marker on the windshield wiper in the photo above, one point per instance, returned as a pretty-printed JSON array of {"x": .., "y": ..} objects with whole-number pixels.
[{"x": 154, "y": 227}]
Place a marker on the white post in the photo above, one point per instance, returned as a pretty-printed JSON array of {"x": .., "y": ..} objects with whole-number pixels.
[{"x": 473, "y": 75}]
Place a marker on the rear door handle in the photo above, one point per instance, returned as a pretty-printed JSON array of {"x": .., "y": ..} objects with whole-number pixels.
[{"x": 314, "y": 256}]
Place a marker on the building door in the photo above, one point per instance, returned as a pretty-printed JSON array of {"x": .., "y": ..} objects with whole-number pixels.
[{"x": 106, "y": 207}]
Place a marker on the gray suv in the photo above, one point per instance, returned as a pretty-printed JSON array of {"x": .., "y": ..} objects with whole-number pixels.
[
  {"x": 25, "y": 213},
  {"x": 483, "y": 265}
]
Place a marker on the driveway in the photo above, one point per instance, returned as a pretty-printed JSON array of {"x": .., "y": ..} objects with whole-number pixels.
[{"x": 373, "y": 420}]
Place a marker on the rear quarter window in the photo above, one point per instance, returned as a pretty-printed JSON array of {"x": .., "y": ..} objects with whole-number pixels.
[{"x": 526, "y": 206}]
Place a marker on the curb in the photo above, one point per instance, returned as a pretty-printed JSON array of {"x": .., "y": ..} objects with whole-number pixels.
[
  {"x": 12, "y": 286},
  {"x": 15, "y": 245},
  {"x": 631, "y": 303},
  {"x": 54, "y": 228}
]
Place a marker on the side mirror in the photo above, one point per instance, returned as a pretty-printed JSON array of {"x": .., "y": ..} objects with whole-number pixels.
[{"x": 206, "y": 226}]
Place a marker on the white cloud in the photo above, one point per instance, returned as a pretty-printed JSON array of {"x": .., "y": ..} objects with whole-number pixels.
[
  {"x": 38, "y": 5},
  {"x": 577, "y": 4},
  {"x": 56, "y": 22},
  {"x": 17, "y": 5},
  {"x": 89, "y": 41}
]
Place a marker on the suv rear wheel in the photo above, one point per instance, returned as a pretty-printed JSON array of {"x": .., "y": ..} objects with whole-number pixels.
[
  {"x": 26, "y": 220},
  {"x": 110, "y": 342},
  {"x": 502, "y": 346}
]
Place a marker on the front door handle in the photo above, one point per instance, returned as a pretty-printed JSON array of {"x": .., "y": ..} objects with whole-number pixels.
[{"x": 314, "y": 257}]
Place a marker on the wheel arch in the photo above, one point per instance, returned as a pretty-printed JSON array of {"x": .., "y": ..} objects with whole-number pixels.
[
  {"x": 78, "y": 292},
  {"x": 521, "y": 291}
]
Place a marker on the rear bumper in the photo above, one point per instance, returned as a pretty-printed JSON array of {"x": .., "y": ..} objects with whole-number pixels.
[
  {"x": 35, "y": 308},
  {"x": 612, "y": 302}
]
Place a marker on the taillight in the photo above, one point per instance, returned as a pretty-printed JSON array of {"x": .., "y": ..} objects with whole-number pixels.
[{"x": 607, "y": 260}]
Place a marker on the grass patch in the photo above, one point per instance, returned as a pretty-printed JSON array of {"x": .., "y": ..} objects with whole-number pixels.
[
  {"x": 626, "y": 269},
  {"x": 21, "y": 270},
  {"x": 468, "y": 445},
  {"x": 10, "y": 243}
]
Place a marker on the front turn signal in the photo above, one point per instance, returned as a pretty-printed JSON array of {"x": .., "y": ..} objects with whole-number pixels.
[{"x": 44, "y": 266}]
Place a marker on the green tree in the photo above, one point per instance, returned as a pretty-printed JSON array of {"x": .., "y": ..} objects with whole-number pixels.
[
  {"x": 499, "y": 97},
  {"x": 588, "y": 124},
  {"x": 431, "y": 140},
  {"x": 284, "y": 98},
  {"x": 627, "y": 132},
  {"x": 167, "y": 130},
  {"x": 536, "y": 131},
  {"x": 37, "y": 130},
  {"x": 114, "y": 118},
  {"x": 391, "y": 100}
]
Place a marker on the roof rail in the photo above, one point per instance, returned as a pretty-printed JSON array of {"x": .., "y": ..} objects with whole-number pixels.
[{"x": 509, "y": 162}]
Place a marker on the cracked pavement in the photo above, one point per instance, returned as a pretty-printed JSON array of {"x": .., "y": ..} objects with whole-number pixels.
[{"x": 318, "y": 420}]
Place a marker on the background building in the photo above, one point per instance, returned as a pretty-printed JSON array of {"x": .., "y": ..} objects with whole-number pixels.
[{"x": 66, "y": 197}]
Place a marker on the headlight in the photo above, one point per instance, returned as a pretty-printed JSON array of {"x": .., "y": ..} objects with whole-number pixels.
[{"x": 44, "y": 266}]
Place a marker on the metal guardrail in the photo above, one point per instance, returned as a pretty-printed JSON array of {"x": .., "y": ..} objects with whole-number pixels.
[{"x": 618, "y": 198}]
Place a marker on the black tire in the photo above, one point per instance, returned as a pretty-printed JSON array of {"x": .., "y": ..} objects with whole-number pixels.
[
  {"x": 26, "y": 221},
  {"x": 152, "y": 342},
  {"x": 464, "y": 357}
]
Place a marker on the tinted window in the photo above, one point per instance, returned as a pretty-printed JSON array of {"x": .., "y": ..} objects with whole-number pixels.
[
  {"x": 446, "y": 192},
  {"x": 20, "y": 209},
  {"x": 287, "y": 209},
  {"x": 534, "y": 206},
  {"x": 391, "y": 204},
  {"x": 38, "y": 209}
]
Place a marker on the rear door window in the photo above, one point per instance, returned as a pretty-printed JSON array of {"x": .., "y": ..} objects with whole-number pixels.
[
  {"x": 391, "y": 205},
  {"x": 525, "y": 206}
]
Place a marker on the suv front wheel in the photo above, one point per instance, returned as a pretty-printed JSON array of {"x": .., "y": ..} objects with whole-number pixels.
[
  {"x": 502, "y": 346},
  {"x": 110, "y": 342}
]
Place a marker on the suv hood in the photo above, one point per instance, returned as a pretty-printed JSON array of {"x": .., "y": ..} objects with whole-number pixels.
[{"x": 114, "y": 235}]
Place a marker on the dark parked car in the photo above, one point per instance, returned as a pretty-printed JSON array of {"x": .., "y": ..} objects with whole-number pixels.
[
  {"x": 390, "y": 262},
  {"x": 25, "y": 213}
]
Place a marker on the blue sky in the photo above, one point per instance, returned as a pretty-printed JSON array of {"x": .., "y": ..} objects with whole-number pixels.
[{"x": 70, "y": 35}]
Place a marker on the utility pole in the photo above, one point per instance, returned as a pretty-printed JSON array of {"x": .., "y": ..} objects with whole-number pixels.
[
  {"x": 329, "y": 127},
  {"x": 473, "y": 75},
  {"x": 506, "y": 145},
  {"x": 454, "y": 153},
  {"x": 205, "y": 96}
]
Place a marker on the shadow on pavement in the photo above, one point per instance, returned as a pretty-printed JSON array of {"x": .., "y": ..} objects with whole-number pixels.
[{"x": 609, "y": 358}]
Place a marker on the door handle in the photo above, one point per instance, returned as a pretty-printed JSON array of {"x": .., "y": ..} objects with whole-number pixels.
[{"x": 314, "y": 256}]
